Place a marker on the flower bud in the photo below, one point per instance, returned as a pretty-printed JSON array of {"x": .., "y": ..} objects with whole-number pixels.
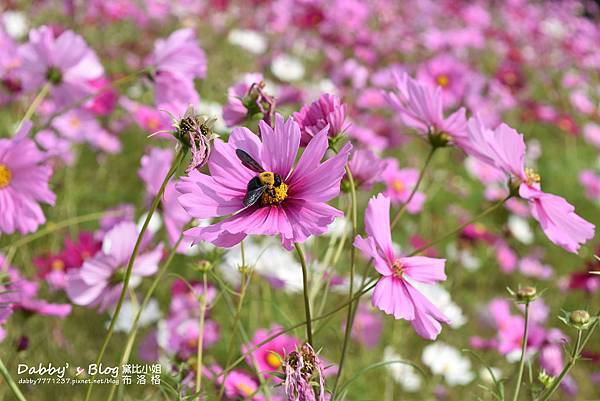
[
  {"x": 204, "y": 266},
  {"x": 545, "y": 379},
  {"x": 579, "y": 318},
  {"x": 526, "y": 294}
]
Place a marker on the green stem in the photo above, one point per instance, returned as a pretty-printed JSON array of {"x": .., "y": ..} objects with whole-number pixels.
[
  {"x": 136, "y": 248},
  {"x": 237, "y": 315},
  {"x": 575, "y": 355},
  {"x": 134, "y": 327},
  {"x": 460, "y": 227},
  {"x": 35, "y": 104},
  {"x": 309, "y": 336},
  {"x": 203, "y": 300},
  {"x": 523, "y": 351},
  {"x": 11, "y": 383},
  {"x": 415, "y": 188},
  {"x": 349, "y": 317}
]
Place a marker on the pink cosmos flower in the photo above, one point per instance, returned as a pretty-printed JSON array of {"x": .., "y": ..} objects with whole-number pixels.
[
  {"x": 400, "y": 183},
  {"x": 295, "y": 210},
  {"x": 367, "y": 327},
  {"x": 269, "y": 357},
  {"x": 240, "y": 385},
  {"x": 99, "y": 281},
  {"x": 446, "y": 72},
  {"x": 366, "y": 168},
  {"x": 10, "y": 78},
  {"x": 65, "y": 61},
  {"x": 57, "y": 148},
  {"x": 394, "y": 294},
  {"x": 23, "y": 184},
  {"x": 504, "y": 149},
  {"x": 53, "y": 267},
  {"x": 591, "y": 133},
  {"x": 235, "y": 112},
  {"x": 105, "y": 101},
  {"x": 421, "y": 107},
  {"x": 175, "y": 62},
  {"x": 327, "y": 112},
  {"x": 80, "y": 126},
  {"x": 148, "y": 118},
  {"x": 591, "y": 183},
  {"x": 18, "y": 293}
]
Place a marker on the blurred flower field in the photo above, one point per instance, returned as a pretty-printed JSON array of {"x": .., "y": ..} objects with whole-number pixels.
[{"x": 299, "y": 200}]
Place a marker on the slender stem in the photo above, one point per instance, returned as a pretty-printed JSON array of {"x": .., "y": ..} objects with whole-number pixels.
[
  {"x": 134, "y": 326},
  {"x": 415, "y": 188},
  {"x": 52, "y": 227},
  {"x": 136, "y": 248},
  {"x": 203, "y": 300},
  {"x": 11, "y": 383},
  {"x": 523, "y": 351},
  {"x": 35, "y": 104},
  {"x": 349, "y": 319},
  {"x": 306, "y": 301},
  {"x": 460, "y": 227},
  {"x": 237, "y": 315},
  {"x": 566, "y": 369}
]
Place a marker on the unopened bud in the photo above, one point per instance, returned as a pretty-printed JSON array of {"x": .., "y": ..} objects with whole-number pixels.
[
  {"x": 204, "y": 266},
  {"x": 545, "y": 379},
  {"x": 526, "y": 294},
  {"x": 579, "y": 318}
]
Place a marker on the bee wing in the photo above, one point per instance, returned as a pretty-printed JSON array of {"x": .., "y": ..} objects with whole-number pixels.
[
  {"x": 254, "y": 195},
  {"x": 248, "y": 161}
]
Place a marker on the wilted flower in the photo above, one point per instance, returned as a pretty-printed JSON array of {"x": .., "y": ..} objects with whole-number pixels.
[
  {"x": 325, "y": 112},
  {"x": 195, "y": 131},
  {"x": 304, "y": 375}
]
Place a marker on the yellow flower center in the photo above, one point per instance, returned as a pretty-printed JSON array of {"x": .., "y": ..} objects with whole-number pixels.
[
  {"x": 153, "y": 123},
  {"x": 5, "y": 176},
  {"x": 442, "y": 80},
  {"x": 245, "y": 389},
  {"x": 274, "y": 195},
  {"x": 398, "y": 269},
  {"x": 532, "y": 176},
  {"x": 57, "y": 264},
  {"x": 398, "y": 186},
  {"x": 75, "y": 122},
  {"x": 479, "y": 228},
  {"x": 273, "y": 360}
]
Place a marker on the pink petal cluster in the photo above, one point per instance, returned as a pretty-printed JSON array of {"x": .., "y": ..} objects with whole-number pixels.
[
  {"x": 235, "y": 112},
  {"x": 64, "y": 60},
  {"x": 269, "y": 356},
  {"x": 421, "y": 107},
  {"x": 310, "y": 184},
  {"x": 24, "y": 179},
  {"x": 394, "y": 294},
  {"x": 327, "y": 112},
  {"x": 99, "y": 281},
  {"x": 504, "y": 149},
  {"x": 175, "y": 62}
]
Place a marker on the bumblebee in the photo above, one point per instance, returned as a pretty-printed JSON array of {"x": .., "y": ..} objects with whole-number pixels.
[{"x": 267, "y": 188}]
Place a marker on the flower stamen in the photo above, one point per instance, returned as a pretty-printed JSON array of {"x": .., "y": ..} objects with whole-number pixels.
[
  {"x": 398, "y": 269},
  {"x": 532, "y": 176},
  {"x": 5, "y": 176}
]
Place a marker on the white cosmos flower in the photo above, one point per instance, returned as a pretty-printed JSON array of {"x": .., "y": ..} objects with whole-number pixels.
[
  {"x": 486, "y": 377},
  {"x": 520, "y": 229},
  {"x": 448, "y": 362},
  {"x": 268, "y": 259},
  {"x": 150, "y": 314},
  {"x": 287, "y": 68},
  {"x": 442, "y": 300},
  {"x": 213, "y": 110},
  {"x": 403, "y": 374},
  {"x": 251, "y": 41},
  {"x": 15, "y": 23}
]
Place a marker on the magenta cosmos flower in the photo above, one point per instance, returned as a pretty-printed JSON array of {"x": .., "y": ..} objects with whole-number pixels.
[
  {"x": 446, "y": 72},
  {"x": 99, "y": 281},
  {"x": 175, "y": 62},
  {"x": 421, "y": 107},
  {"x": 269, "y": 357},
  {"x": 327, "y": 112},
  {"x": 394, "y": 294},
  {"x": 23, "y": 184},
  {"x": 504, "y": 149},
  {"x": 65, "y": 61},
  {"x": 294, "y": 210}
]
